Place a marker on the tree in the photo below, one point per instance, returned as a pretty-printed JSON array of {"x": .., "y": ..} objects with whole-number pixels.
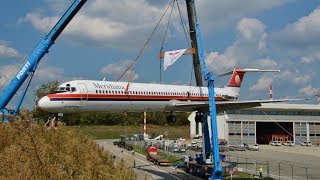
[{"x": 43, "y": 90}]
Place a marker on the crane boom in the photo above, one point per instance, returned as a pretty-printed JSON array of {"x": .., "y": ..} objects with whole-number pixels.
[
  {"x": 28, "y": 68},
  {"x": 200, "y": 67},
  {"x": 192, "y": 18}
]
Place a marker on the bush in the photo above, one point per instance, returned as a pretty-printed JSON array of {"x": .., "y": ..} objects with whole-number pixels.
[{"x": 32, "y": 151}]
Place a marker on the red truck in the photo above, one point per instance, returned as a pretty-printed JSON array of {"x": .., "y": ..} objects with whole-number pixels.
[{"x": 152, "y": 156}]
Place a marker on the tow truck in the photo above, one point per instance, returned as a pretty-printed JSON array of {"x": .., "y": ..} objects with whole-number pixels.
[{"x": 28, "y": 69}]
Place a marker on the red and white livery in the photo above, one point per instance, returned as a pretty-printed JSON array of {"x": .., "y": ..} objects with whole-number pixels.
[{"x": 94, "y": 96}]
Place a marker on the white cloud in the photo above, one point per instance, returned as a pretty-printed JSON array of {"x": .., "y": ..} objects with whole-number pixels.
[
  {"x": 218, "y": 63},
  {"x": 300, "y": 39},
  {"x": 217, "y": 14},
  {"x": 41, "y": 23},
  {"x": 266, "y": 63},
  {"x": 306, "y": 60},
  {"x": 100, "y": 24},
  {"x": 252, "y": 34},
  {"x": 301, "y": 79},
  {"x": 263, "y": 83},
  {"x": 309, "y": 91},
  {"x": 305, "y": 30},
  {"x": 310, "y": 58},
  {"x": 57, "y": 5},
  {"x": 6, "y": 72},
  {"x": 296, "y": 77},
  {"x": 45, "y": 73},
  {"x": 285, "y": 75},
  {"x": 126, "y": 23},
  {"x": 116, "y": 69},
  {"x": 250, "y": 43},
  {"x": 7, "y": 51},
  {"x": 250, "y": 29}
]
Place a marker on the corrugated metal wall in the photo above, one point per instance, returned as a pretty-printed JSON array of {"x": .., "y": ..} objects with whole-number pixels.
[{"x": 242, "y": 132}]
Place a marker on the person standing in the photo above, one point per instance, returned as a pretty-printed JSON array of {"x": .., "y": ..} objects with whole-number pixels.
[{"x": 260, "y": 172}]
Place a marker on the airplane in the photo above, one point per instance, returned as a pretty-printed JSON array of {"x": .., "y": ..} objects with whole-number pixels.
[{"x": 103, "y": 96}]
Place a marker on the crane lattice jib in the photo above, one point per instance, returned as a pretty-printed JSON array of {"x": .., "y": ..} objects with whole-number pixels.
[{"x": 41, "y": 49}]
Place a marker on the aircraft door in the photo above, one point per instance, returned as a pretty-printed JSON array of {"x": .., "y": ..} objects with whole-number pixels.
[{"x": 83, "y": 91}]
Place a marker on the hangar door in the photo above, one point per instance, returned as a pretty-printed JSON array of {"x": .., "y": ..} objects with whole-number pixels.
[
  {"x": 242, "y": 132},
  {"x": 314, "y": 130},
  {"x": 301, "y": 132}
]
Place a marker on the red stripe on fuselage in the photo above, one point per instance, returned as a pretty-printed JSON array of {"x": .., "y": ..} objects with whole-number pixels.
[{"x": 131, "y": 97}]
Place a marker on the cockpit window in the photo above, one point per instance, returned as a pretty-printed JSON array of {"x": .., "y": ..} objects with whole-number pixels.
[{"x": 62, "y": 89}]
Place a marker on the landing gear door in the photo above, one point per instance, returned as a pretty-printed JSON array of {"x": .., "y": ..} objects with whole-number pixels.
[{"x": 83, "y": 91}]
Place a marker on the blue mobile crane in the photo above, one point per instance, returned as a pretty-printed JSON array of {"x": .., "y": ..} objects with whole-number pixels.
[
  {"x": 209, "y": 149},
  {"x": 28, "y": 69}
]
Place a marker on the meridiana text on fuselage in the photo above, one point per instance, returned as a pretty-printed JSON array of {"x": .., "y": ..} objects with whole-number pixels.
[{"x": 108, "y": 86}]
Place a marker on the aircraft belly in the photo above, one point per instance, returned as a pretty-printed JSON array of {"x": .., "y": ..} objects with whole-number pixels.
[
  {"x": 123, "y": 106},
  {"x": 106, "y": 106},
  {"x": 148, "y": 105}
]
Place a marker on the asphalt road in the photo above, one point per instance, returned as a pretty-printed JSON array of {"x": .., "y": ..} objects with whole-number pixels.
[
  {"x": 297, "y": 163},
  {"x": 289, "y": 164},
  {"x": 143, "y": 168}
]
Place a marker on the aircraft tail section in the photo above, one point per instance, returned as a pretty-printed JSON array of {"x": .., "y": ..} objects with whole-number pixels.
[{"x": 238, "y": 74}]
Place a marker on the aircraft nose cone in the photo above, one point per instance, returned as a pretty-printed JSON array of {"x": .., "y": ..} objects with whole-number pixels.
[{"x": 44, "y": 103}]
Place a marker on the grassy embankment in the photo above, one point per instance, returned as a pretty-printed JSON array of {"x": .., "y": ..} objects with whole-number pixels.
[
  {"x": 32, "y": 151},
  {"x": 114, "y": 132}
]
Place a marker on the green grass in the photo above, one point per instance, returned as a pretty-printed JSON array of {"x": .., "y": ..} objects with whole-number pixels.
[
  {"x": 242, "y": 175},
  {"x": 140, "y": 150},
  {"x": 114, "y": 132}
]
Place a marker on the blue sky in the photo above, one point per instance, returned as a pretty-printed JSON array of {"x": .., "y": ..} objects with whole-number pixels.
[{"x": 105, "y": 36}]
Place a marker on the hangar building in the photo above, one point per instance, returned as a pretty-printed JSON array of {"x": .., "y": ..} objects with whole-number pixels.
[{"x": 274, "y": 121}]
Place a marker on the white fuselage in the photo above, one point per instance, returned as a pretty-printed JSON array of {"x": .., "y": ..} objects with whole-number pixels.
[{"x": 88, "y": 95}]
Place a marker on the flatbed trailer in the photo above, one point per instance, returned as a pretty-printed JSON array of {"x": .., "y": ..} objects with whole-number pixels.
[
  {"x": 158, "y": 160},
  {"x": 199, "y": 170},
  {"x": 152, "y": 156}
]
